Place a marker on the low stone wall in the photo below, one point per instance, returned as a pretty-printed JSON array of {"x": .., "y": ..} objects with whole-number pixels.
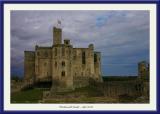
[{"x": 120, "y": 88}]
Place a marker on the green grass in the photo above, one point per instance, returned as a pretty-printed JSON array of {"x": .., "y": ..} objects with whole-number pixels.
[
  {"x": 31, "y": 96},
  {"x": 34, "y": 95},
  {"x": 80, "y": 95}
]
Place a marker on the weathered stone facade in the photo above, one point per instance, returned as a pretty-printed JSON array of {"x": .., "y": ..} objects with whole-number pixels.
[
  {"x": 143, "y": 70},
  {"x": 67, "y": 67}
]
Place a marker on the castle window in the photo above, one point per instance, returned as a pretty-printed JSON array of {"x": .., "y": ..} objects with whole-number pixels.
[
  {"x": 83, "y": 58},
  {"x": 63, "y": 51},
  {"x": 63, "y": 73},
  {"x": 95, "y": 58},
  {"x": 55, "y": 51},
  {"x": 55, "y": 64},
  {"x": 63, "y": 63},
  {"x": 74, "y": 54}
]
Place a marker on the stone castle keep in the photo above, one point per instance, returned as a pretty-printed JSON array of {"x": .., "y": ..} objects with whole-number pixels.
[
  {"x": 67, "y": 67},
  {"x": 61, "y": 68}
]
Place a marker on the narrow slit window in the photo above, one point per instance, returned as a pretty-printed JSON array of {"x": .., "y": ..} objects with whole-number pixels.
[
  {"x": 95, "y": 58},
  {"x": 63, "y": 63},
  {"x": 63, "y": 73},
  {"x": 55, "y": 64},
  {"x": 83, "y": 58}
]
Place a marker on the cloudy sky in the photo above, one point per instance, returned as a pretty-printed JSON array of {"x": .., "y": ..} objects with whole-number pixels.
[{"x": 122, "y": 37}]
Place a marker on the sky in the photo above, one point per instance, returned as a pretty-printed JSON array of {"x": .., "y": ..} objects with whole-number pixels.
[{"x": 121, "y": 36}]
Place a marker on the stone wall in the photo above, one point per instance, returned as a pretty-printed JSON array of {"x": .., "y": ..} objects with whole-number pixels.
[
  {"x": 61, "y": 66},
  {"x": 81, "y": 64},
  {"x": 79, "y": 81},
  {"x": 143, "y": 70},
  {"x": 97, "y": 66},
  {"x": 29, "y": 65},
  {"x": 43, "y": 59},
  {"x": 120, "y": 88}
]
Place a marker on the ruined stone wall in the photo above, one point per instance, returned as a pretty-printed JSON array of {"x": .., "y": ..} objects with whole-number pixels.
[
  {"x": 97, "y": 66},
  {"x": 43, "y": 65},
  {"x": 146, "y": 89},
  {"x": 118, "y": 88},
  {"x": 81, "y": 63},
  {"x": 29, "y": 65},
  {"x": 84, "y": 65},
  {"x": 143, "y": 70}
]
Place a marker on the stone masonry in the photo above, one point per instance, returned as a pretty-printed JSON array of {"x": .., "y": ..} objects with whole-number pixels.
[{"x": 67, "y": 67}]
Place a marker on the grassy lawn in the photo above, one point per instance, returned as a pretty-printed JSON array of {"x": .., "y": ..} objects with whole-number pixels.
[
  {"x": 34, "y": 95},
  {"x": 31, "y": 96}
]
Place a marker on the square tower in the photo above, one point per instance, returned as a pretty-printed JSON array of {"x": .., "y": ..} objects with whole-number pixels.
[{"x": 57, "y": 35}]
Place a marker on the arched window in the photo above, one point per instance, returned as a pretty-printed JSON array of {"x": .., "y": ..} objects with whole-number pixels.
[
  {"x": 63, "y": 74},
  {"x": 63, "y": 63}
]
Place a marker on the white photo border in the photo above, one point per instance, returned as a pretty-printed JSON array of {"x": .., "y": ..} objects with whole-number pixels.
[{"x": 8, "y": 106}]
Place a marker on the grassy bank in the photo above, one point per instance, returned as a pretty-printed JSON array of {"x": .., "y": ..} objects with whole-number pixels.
[
  {"x": 31, "y": 96},
  {"x": 81, "y": 95}
]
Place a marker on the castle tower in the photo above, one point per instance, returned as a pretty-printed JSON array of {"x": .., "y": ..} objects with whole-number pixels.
[
  {"x": 57, "y": 34},
  {"x": 61, "y": 63},
  {"x": 143, "y": 70}
]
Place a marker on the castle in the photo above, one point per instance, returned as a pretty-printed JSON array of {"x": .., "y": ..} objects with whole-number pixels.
[
  {"x": 64, "y": 68},
  {"x": 67, "y": 67}
]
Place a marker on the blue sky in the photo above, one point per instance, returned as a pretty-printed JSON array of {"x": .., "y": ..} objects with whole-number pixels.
[{"x": 122, "y": 37}]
